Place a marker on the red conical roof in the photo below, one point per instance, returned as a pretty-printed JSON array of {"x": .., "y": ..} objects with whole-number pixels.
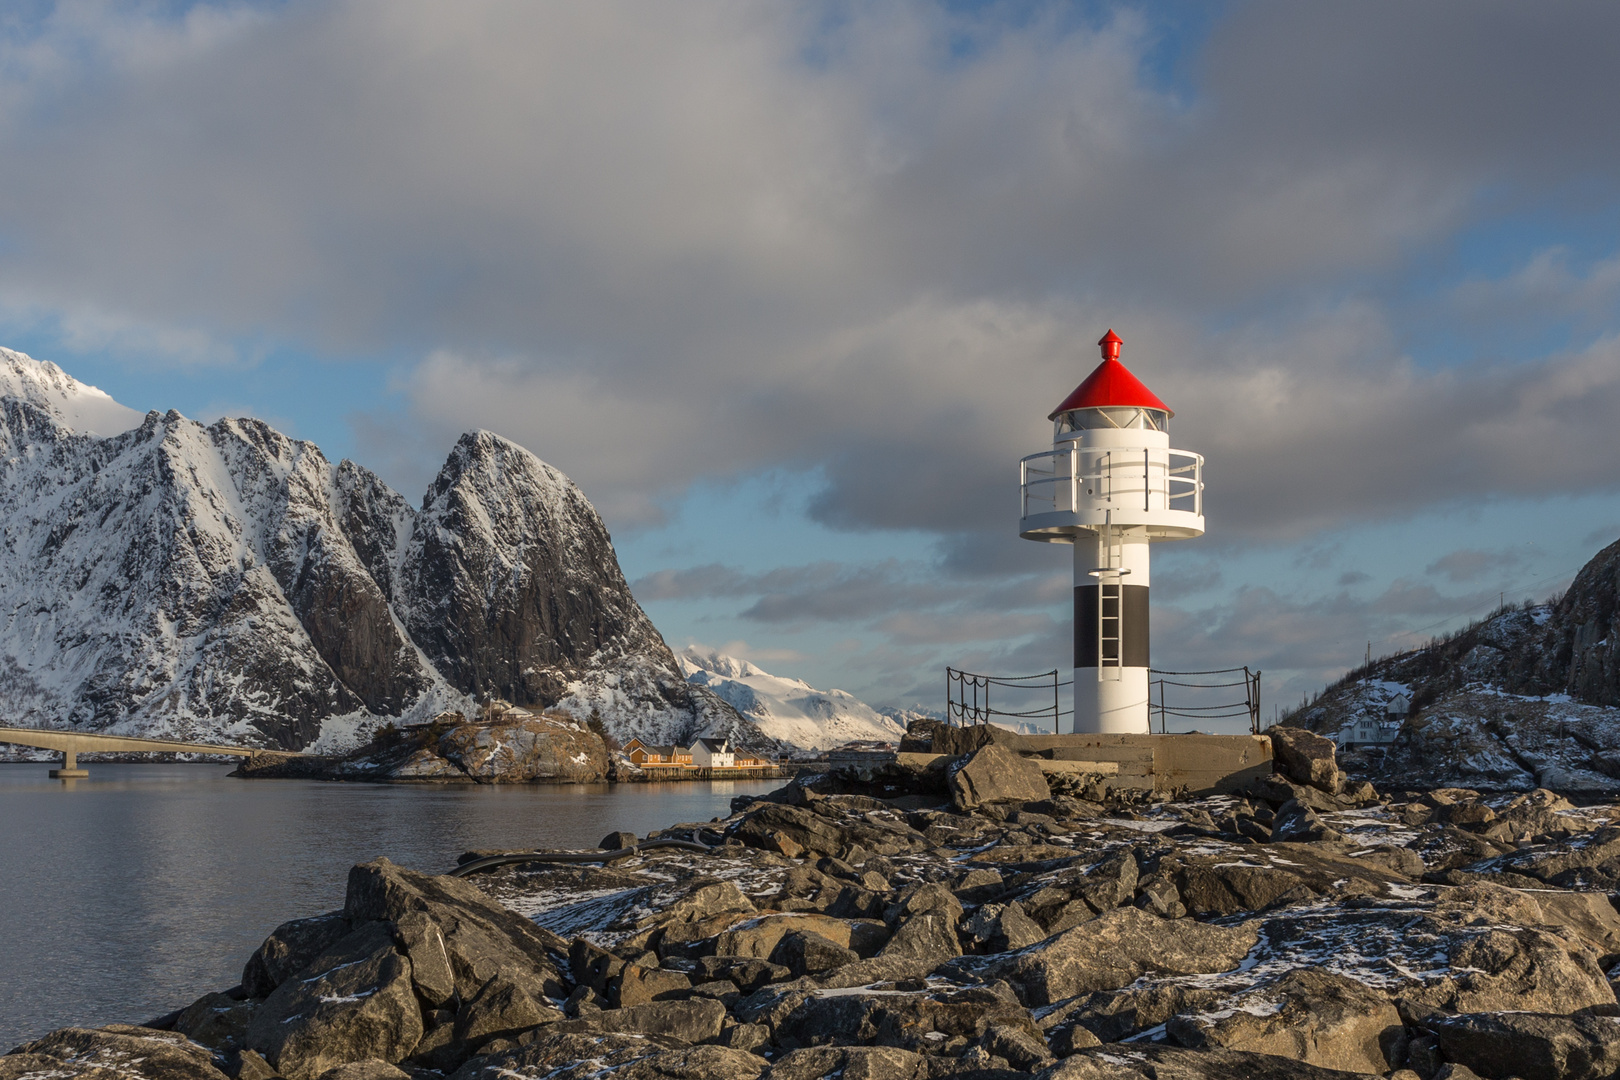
[{"x": 1111, "y": 385}]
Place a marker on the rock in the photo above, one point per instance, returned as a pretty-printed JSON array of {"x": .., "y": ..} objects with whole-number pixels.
[
  {"x": 956, "y": 741},
  {"x": 565, "y": 1055},
  {"x": 1021, "y": 1047},
  {"x": 479, "y": 936},
  {"x": 805, "y": 952},
  {"x": 997, "y": 928},
  {"x": 1226, "y": 887},
  {"x": 424, "y": 946},
  {"x": 849, "y": 1063},
  {"x": 923, "y": 942},
  {"x": 754, "y": 1038},
  {"x": 637, "y": 985},
  {"x": 1114, "y": 949},
  {"x": 995, "y": 775},
  {"x": 706, "y": 902},
  {"x": 1147, "y": 1061},
  {"x": 113, "y": 1052},
  {"x": 1113, "y": 1016},
  {"x": 758, "y": 938},
  {"x": 618, "y": 841},
  {"x": 1297, "y": 823},
  {"x": 746, "y": 974},
  {"x": 1590, "y": 915},
  {"x": 1111, "y": 882},
  {"x": 930, "y": 899},
  {"x": 790, "y": 830},
  {"x": 593, "y": 966},
  {"x": 289, "y": 949},
  {"x": 696, "y": 1063},
  {"x": 247, "y": 1065},
  {"x": 354, "y": 1002},
  {"x": 1533, "y": 1046},
  {"x": 371, "y": 1069},
  {"x": 217, "y": 1021},
  {"x": 1305, "y": 757},
  {"x": 894, "y": 1018},
  {"x": 694, "y": 1021},
  {"x": 1310, "y": 1016},
  {"x": 507, "y": 1004}
]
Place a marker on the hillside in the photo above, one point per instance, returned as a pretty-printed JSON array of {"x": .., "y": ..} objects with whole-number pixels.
[
  {"x": 226, "y": 582},
  {"x": 785, "y": 709},
  {"x": 1528, "y": 697}
]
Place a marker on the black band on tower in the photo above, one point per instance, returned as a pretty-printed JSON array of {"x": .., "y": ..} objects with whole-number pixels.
[{"x": 1127, "y": 603}]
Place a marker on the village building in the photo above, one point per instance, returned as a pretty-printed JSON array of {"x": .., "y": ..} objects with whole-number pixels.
[{"x": 713, "y": 753}]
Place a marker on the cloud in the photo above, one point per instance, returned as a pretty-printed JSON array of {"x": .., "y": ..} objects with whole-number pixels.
[
  {"x": 688, "y": 243},
  {"x": 876, "y": 241},
  {"x": 1469, "y": 564}
]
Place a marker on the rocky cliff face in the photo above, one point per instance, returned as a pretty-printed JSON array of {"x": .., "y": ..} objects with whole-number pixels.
[
  {"x": 1584, "y": 645},
  {"x": 227, "y": 582},
  {"x": 1529, "y": 696}
]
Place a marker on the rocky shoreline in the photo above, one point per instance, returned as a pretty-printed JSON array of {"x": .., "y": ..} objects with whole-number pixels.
[
  {"x": 515, "y": 747},
  {"x": 970, "y": 921}
]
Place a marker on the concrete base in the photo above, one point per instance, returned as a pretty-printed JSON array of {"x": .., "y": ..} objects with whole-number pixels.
[
  {"x": 1197, "y": 764},
  {"x": 69, "y": 774}
]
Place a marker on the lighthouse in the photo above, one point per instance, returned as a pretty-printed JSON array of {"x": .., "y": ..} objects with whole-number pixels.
[{"x": 1111, "y": 486}]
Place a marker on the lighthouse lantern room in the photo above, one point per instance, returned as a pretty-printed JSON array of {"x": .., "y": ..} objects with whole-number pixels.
[{"x": 1111, "y": 486}]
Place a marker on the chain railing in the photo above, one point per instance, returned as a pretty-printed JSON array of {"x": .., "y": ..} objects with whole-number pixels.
[
  {"x": 967, "y": 698},
  {"x": 1195, "y": 706}
]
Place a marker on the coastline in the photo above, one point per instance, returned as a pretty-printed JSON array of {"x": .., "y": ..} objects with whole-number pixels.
[{"x": 982, "y": 921}]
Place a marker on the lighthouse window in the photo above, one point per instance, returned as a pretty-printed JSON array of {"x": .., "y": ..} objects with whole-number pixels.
[{"x": 1092, "y": 419}]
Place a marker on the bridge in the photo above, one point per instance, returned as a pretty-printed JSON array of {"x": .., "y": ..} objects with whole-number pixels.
[{"x": 73, "y": 743}]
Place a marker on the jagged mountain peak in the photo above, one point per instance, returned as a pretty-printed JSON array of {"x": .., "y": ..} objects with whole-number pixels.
[
  {"x": 84, "y": 409},
  {"x": 225, "y": 581}
]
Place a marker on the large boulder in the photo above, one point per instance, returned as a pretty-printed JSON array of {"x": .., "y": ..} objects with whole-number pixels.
[
  {"x": 1532, "y": 1046},
  {"x": 1305, "y": 757},
  {"x": 354, "y": 1002},
  {"x": 1115, "y": 949},
  {"x": 557, "y": 1054},
  {"x": 289, "y": 949},
  {"x": 790, "y": 830},
  {"x": 114, "y": 1052},
  {"x": 1145, "y": 1061},
  {"x": 994, "y": 774},
  {"x": 913, "y": 1021},
  {"x": 850, "y": 1063},
  {"x": 1311, "y": 1016},
  {"x": 476, "y": 936},
  {"x": 695, "y": 1021}
]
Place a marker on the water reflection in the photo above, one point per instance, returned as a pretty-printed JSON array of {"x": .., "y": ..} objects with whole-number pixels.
[{"x": 129, "y": 893}]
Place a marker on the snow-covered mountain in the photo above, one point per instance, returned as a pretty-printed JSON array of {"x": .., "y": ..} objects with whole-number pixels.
[
  {"x": 785, "y": 709},
  {"x": 159, "y": 576}
]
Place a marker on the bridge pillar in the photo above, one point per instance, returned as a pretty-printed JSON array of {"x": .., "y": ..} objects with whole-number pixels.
[{"x": 70, "y": 767}]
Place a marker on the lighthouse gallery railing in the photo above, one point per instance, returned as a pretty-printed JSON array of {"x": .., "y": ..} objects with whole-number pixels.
[
  {"x": 1075, "y": 477},
  {"x": 967, "y": 697}
]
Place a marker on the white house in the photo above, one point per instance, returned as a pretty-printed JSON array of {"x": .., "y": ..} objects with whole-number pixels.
[
  {"x": 715, "y": 753},
  {"x": 1368, "y": 730}
]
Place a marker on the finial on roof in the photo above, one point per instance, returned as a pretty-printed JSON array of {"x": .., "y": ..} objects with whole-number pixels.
[{"x": 1110, "y": 343}]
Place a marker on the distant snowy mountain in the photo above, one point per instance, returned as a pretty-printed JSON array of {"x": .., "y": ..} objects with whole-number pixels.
[
  {"x": 159, "y": 576},
  {"x": 785, "y": 709},
  {"x": 84, "y": 409}
]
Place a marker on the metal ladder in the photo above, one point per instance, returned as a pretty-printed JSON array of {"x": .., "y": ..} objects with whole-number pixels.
[{"x": 1110, "y": 609}]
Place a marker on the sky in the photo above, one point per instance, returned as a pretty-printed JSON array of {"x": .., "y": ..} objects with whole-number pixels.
[{"x": 788, "y": 289}]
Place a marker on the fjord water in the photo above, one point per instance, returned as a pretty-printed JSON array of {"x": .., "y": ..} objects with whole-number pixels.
[{"x": 134, "y": 892}]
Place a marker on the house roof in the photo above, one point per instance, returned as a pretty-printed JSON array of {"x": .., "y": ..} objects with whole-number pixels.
[
  {"x": 714, "y": 746},
  {"x": 1111, "y": 385}
]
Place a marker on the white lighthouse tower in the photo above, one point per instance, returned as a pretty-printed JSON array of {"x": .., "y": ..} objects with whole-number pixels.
[{"x": 1111, "y": 486}]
